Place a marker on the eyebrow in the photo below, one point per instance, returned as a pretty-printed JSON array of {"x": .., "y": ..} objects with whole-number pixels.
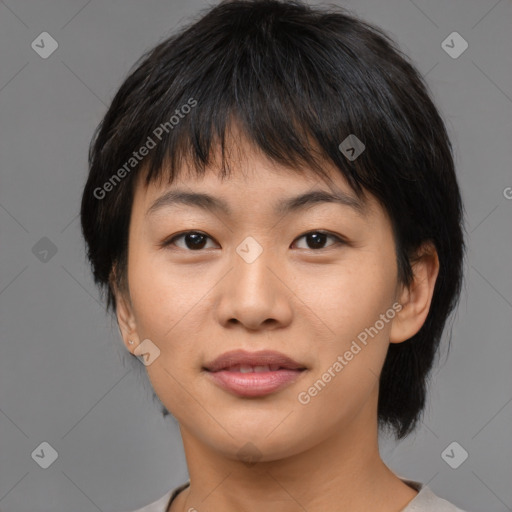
[{"x": 283, "y": 207}]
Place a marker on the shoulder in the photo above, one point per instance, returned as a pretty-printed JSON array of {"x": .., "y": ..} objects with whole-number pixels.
[
  {"x": 162, "y": 504},
  {"x": 427, "y": 501}
]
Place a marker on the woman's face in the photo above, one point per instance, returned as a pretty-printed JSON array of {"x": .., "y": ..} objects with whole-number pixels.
[{"x": 251, "y": 279}]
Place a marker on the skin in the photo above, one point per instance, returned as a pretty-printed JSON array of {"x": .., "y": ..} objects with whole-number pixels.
[{"x": 308, "y": 303}]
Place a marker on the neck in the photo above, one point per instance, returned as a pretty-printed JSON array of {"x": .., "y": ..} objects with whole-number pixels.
[{"x": 342, "y": 472}]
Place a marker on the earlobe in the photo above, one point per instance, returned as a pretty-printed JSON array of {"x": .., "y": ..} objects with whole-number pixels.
[
  {"x": 125, "y": 318},
  {"x": 126, "y": 322},
  {"x": 416, "y": 298}
]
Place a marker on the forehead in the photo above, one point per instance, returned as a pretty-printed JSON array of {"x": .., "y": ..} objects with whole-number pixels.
[{"x": 252, "y": 178}]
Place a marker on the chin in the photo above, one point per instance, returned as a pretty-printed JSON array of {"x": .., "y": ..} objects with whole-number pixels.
[{"x": 254, "y": 443}]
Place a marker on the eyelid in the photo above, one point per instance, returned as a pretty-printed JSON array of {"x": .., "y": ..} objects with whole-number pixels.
[
  {"x": 339, "y": 240},
  {"x": 169, "y": 241}
]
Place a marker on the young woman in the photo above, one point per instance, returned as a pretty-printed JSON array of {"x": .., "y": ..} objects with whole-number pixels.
[{"x": 273, "y": 211}]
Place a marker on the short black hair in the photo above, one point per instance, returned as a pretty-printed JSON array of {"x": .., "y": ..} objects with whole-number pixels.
[{"x": 298, "y": 80}]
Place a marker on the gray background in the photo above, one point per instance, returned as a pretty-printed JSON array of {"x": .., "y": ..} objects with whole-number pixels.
[{"x": 63, "y": 375}]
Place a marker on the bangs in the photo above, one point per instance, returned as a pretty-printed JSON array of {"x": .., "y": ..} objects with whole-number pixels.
[
  {"x": 293, "y": 92},
  {"x": 279, "y": 120},
  {"x": 200, "y": 147}
]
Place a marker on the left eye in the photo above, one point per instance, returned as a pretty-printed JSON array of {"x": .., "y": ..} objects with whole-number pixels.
[
  {"x": 195, "y": 240},
  {"x": 317, "y": 239}
]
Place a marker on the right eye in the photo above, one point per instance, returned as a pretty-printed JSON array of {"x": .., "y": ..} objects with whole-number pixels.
[{"x": 194, "y": 240}]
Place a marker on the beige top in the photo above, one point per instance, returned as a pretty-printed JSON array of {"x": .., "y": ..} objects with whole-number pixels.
[{"x": 424, "y": 501}]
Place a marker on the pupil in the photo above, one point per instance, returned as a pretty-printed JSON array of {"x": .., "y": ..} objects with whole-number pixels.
[
  {"x": 317, "y": 242},
  {"x": 197, "y": 240}
]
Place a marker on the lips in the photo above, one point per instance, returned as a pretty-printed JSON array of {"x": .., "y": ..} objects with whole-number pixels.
[
  {"x": 256, "y": 374},
  {"x": 245, "y": 362},
  {"x": 247, "y": 368}
]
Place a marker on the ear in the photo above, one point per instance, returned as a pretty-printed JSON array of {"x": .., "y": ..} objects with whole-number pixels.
[
  {"x": 416, "y": 298},
  {"x": 125, "y": 315}
]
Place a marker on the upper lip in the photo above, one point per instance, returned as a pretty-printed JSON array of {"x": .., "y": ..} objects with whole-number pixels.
[{"x": 261, "y": 358}]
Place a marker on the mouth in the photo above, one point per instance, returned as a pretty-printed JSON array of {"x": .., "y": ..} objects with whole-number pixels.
[{"x": 253, "y": 374}]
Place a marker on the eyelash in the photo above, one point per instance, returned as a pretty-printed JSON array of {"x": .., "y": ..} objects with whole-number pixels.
[{"x": 338, "y": 239}]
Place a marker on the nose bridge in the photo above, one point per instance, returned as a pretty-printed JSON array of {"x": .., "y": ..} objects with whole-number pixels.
[
  {"x": 251, "y": 264},
  {"x": 252, "y": 294}
]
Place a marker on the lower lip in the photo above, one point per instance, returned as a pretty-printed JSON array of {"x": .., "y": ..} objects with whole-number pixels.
[{"x": 254, "y": 384}]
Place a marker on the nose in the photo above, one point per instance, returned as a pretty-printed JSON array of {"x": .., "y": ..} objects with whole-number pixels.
[{"x": 254, "y": 294}]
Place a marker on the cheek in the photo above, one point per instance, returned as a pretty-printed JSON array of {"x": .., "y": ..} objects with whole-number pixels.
[
  {"x": 173, "y": 308},
  {"x": 355, "y": 306},
  {"x": 162, "y": 294},
  {"x": 166, "y": 304},
  {"x": 350, "y": 296}
]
